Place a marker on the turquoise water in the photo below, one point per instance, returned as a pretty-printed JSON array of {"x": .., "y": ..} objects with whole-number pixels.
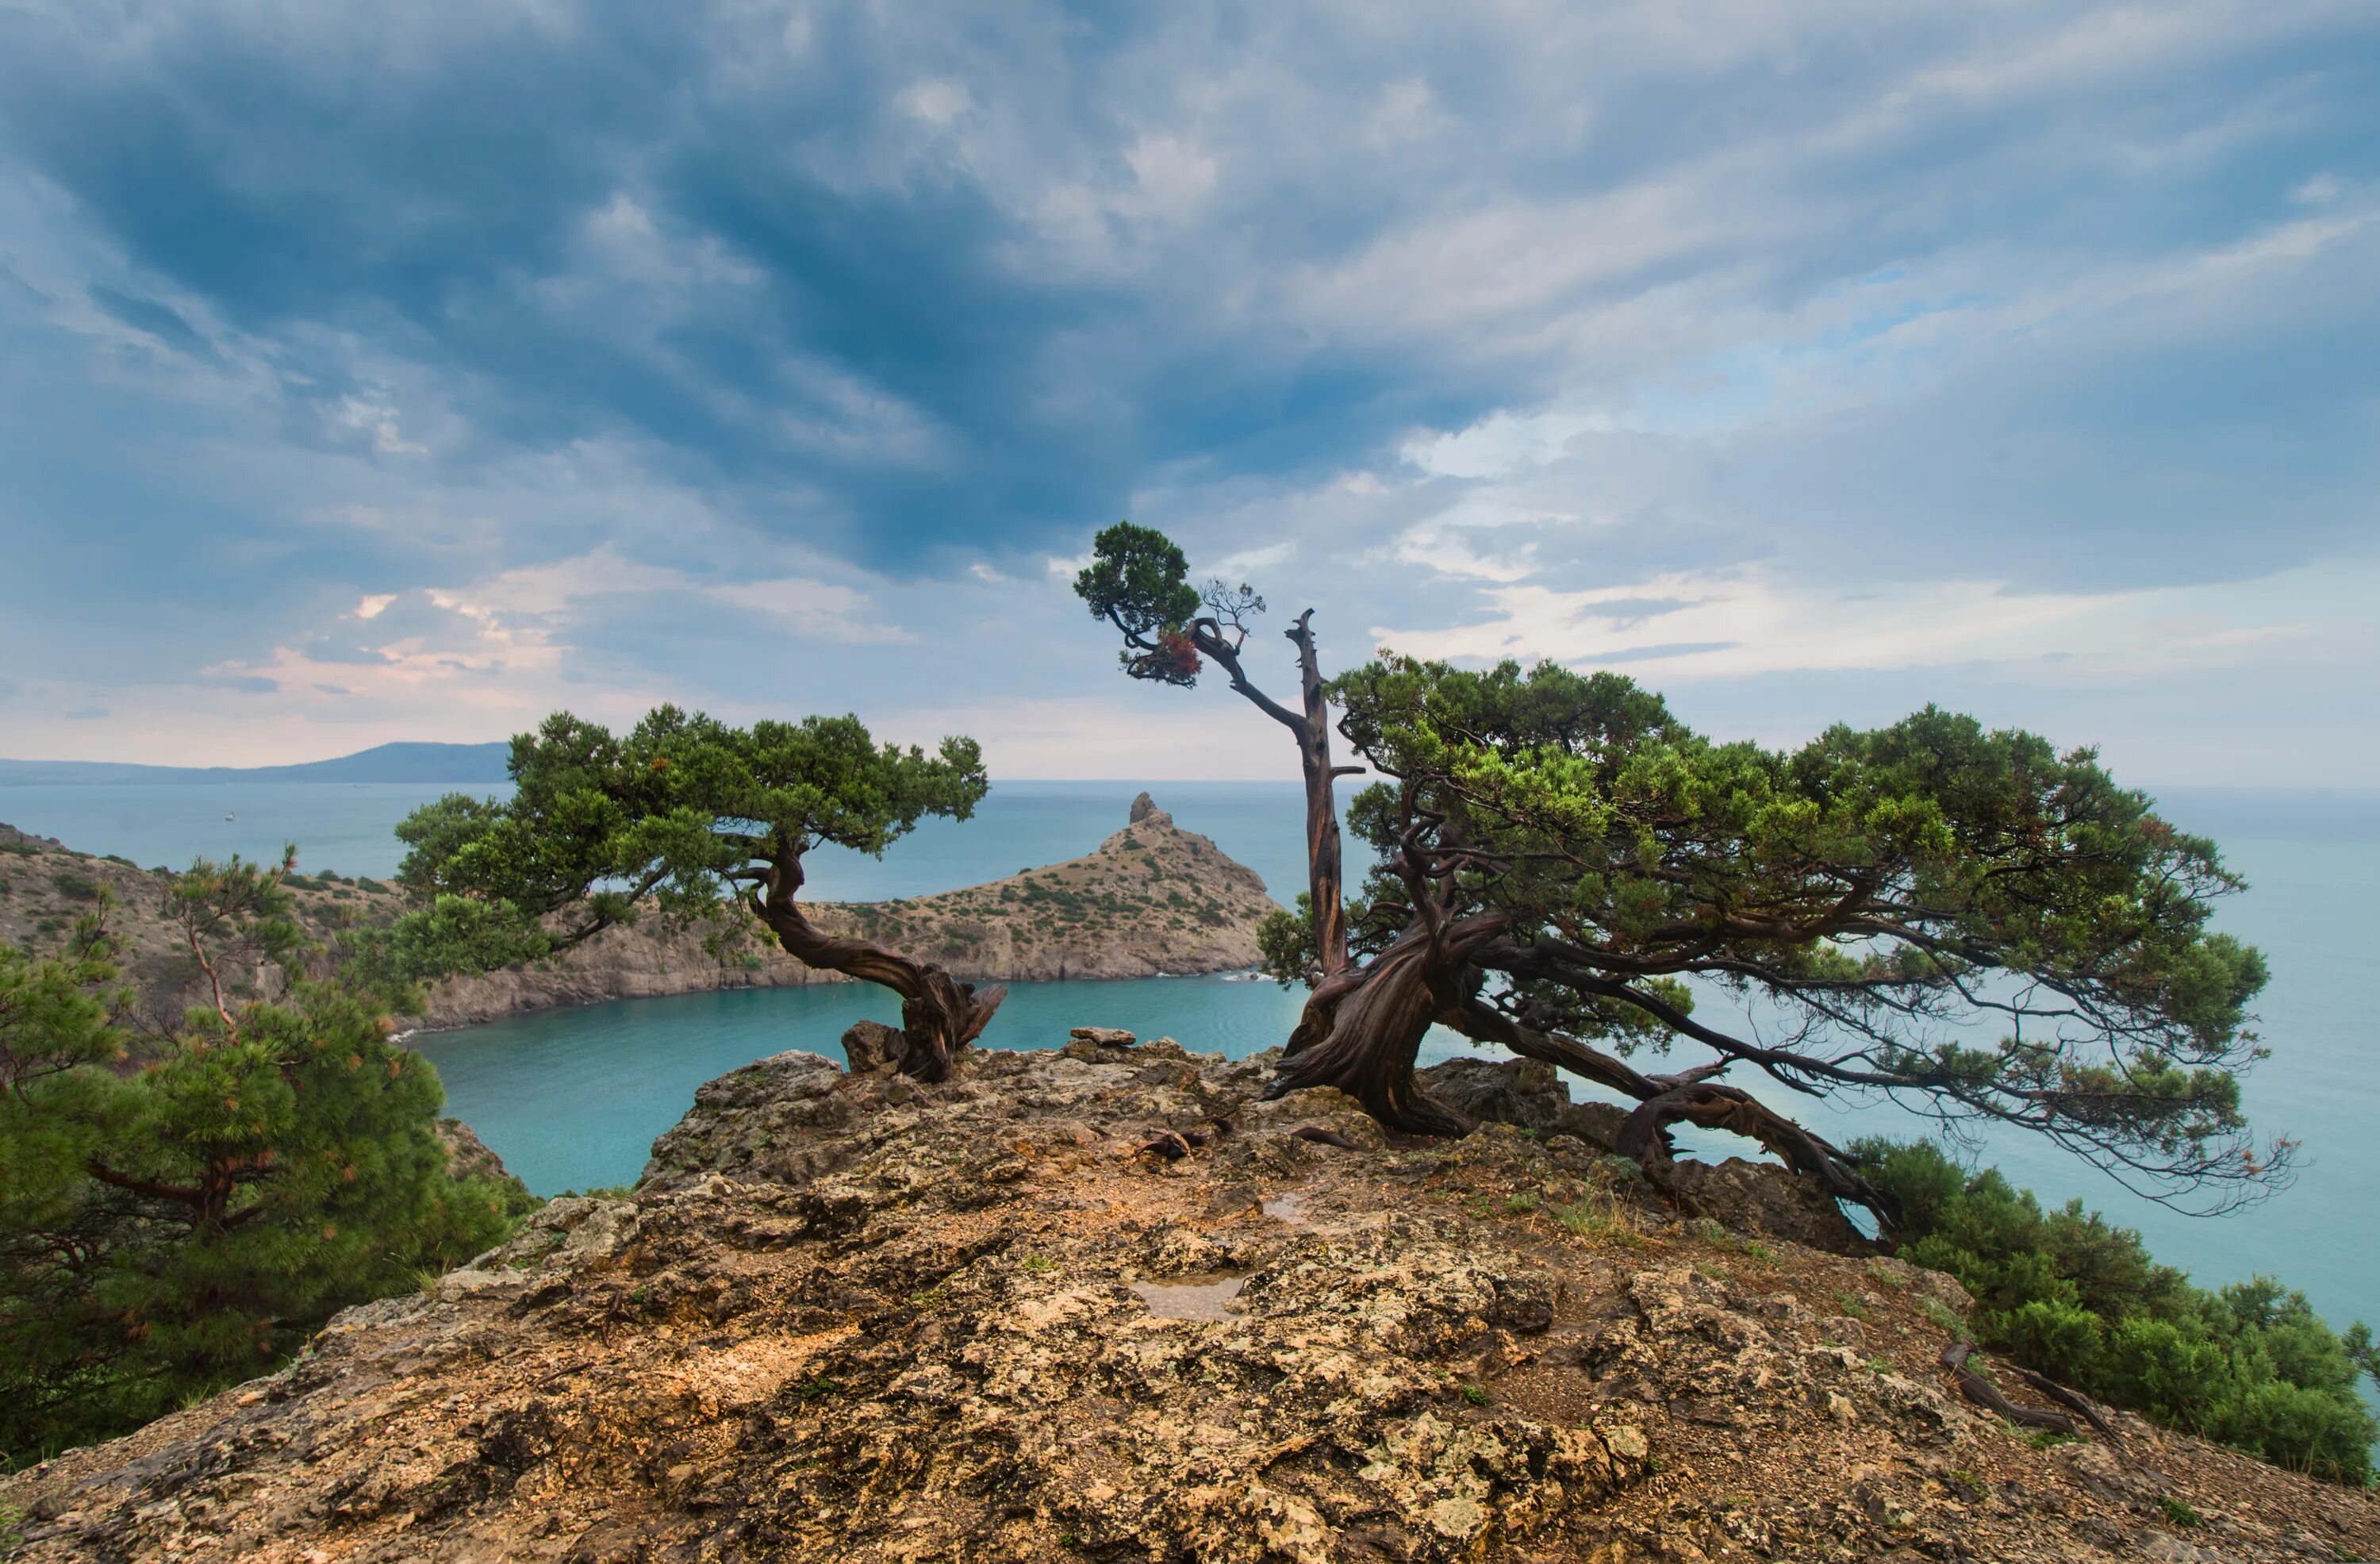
[{"x": 574, "y": 1098}]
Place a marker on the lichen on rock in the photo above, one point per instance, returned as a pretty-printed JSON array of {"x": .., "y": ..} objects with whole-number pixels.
[{"x": 846, "y": 1315}]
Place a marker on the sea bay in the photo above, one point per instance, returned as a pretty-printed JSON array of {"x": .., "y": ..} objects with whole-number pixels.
[{"x": 573, "y": 1098}]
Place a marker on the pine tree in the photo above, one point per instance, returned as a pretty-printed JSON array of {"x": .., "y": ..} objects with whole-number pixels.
[{"x": 179, "y": 1211}]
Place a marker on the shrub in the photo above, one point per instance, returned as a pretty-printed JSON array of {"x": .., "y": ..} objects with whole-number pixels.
[
  {"x": 2067, "y": 1293},
  {"x": 76, "y": 887}
]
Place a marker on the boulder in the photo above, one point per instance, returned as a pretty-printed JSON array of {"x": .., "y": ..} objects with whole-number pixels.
[{"x": 871, "y": 1047}]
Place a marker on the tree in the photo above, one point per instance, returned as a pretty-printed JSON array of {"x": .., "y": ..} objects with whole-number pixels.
[
  {"x": 180, "y": 1209},
  {"x": 1139, "y": 581},
  {"x": 683, "y": 812},
  {"x": 1563, "y": 863}
]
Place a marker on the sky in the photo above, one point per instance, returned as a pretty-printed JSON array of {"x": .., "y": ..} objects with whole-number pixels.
[{"x": 409, "y": 372}]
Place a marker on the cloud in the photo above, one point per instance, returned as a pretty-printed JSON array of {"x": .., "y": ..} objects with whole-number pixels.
[
  {"x": 1753, "y": 622},
  {"x": 469, "y": 360},
  {"x": 84, "y": 714}
]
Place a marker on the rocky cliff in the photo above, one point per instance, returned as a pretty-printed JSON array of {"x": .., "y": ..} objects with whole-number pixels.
[
  {"x": 1104, "y": 1305},
  {"x": 1151, "y": 899}
]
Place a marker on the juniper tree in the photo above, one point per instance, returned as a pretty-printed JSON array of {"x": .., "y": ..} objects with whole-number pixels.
[
  {"x": 683, "y": 815},
  {"x": 180, "y": 1208},
  {"x": 1139, "y": 581},
  {"x": 1965, "y": 921}
]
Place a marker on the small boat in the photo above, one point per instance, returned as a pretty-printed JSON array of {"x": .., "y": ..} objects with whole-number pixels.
[{"x": 228, "y": 814}]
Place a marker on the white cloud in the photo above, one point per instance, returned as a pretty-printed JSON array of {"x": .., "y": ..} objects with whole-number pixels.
[
  {"x": 1748, "y": 622},
  {"x": 818, "y": 610}
]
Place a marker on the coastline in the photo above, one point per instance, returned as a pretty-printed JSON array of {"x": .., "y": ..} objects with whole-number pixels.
[{"x": 1152, "y": 900}]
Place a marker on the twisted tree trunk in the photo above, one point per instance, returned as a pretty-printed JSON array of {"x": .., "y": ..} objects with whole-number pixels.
[
  {"x": 1310, "y": 724},
  {"x": 1363, "y": 1028},
  {"x": 940, "y": 1015},
  {"x": 1325, "y": 883}
]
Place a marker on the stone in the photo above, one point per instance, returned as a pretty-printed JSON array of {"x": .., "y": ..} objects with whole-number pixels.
[
  {"x": 873, "y": 1047},
  {"x": 864, "y": 1320}
]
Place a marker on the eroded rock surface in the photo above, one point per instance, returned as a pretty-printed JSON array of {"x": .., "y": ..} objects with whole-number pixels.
[{"x": 855, "y": 1317}]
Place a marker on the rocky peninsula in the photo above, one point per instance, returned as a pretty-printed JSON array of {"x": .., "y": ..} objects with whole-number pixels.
[
  {"x": 1151, "y": 899},
  {"x": 1102, "y": 1302}
]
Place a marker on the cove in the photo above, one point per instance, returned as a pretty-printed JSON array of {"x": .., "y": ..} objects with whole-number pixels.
[{"x": 572, "y": 1099}]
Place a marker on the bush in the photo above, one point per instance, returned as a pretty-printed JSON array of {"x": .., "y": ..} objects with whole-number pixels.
[
  {"x": 76, "y": 887},
  {"x": 2064, "y": 1292}
]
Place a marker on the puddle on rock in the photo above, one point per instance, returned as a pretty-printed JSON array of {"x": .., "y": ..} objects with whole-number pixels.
[
  {"x": 1196, "y": 1299},
  {"x": 1288, "y": 1208}
]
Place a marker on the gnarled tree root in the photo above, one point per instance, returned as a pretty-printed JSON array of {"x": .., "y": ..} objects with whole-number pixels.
[
  {"x": 1644, "y": 1138},
  {"x": 1986, "y": 1395},
  {"x": 2074, "y": 1403},
  {"x": 940, "y": 1015}
]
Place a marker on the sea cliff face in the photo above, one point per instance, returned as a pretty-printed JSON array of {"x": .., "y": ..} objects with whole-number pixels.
[
  {"x": 1104, "y": 1302},
  {"x": 1152, "y": 899}
]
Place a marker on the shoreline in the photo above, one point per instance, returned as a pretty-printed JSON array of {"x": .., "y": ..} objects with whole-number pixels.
[
  {"x": 1151, "y": 900},
  {"x": 447, "y": 1029}
]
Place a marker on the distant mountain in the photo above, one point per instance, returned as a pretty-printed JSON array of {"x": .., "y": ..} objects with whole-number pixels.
[{"x": 382, "y": 762}]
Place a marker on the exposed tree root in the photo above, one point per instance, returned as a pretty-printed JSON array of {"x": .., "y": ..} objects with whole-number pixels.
[
  {"x": 1986, "y": 1395},
  {"x": 1644, "y": 1138}
]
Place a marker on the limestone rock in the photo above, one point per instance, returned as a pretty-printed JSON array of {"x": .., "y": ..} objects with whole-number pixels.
[
  {"x": 849, "y": 1315},
  {"x": 869, "y": 1046}
]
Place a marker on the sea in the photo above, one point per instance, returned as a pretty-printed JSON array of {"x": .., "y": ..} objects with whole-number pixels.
[{"x": 572, "y": 1099}]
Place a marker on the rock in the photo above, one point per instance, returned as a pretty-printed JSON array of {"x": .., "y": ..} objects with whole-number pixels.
[
  {"x": 853, "y": 1317},
  {"x": 1103, "y": 1036},
  {"x": 1523, "y": 1302},
  {"x": 469, "y": 1157},
  {"x": 1766, "y": 1198},
  {"x": 1938, "y": 1286},
  {"x": 1143, "y": 808},
  {"x": 870, "y": 1047},
  {"x": 1524, "y": 1093}
]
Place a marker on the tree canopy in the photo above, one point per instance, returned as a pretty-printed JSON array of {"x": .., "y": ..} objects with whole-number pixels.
[
  {"x": 1960, "y": 919},
  {"x": 178, "y": 1210},
  {"x": 684, "y": 813}
]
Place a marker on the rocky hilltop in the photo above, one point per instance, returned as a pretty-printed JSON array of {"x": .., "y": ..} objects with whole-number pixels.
[
  {"x": 1101, "y": 1304},
  {"x": 1151, "y": 899}
]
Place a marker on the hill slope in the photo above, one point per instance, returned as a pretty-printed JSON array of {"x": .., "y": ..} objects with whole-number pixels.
[
  {"x": 857, "y": 1318},
  {"x": 1152, "y": 898}
]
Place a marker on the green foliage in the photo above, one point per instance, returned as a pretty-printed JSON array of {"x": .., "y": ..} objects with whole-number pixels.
[
  {"x": 1881, "y": 889},
  {"x": 1287, "y": 940},
  {"x": 2065, "y": 1293},
  {"x": 683, "y": 809},
  {"x": 76, "y": 887},
  {"x": 1139, "y": 581},
  {"x": 179, "y": 1211}
]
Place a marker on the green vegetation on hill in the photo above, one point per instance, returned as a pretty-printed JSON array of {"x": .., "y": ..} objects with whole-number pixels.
[
  {"x": 180, "y": 1210},
  {"x": 2063, "y": 1292}
]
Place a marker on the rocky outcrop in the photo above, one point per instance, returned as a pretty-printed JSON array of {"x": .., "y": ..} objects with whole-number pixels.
[
  {"x": 859, "y": 1317},
  {"x": 1152, "y": 899},
  {"x": 467, "y": 1157}
]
